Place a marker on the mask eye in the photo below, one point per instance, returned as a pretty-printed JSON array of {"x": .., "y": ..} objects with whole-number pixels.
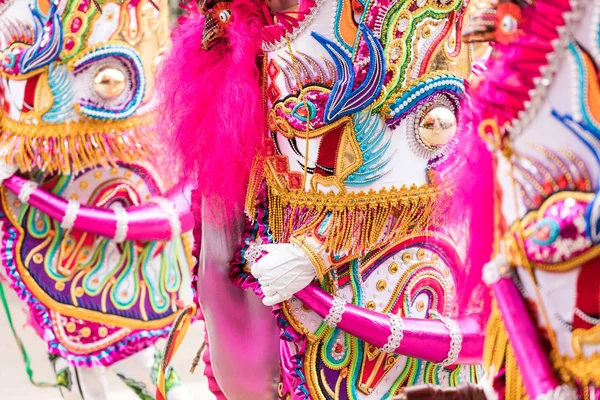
[
  {"x": 509, "y": 24},
  {"x": 224, "y": 15},
  {"x": 432, "y": 128}
]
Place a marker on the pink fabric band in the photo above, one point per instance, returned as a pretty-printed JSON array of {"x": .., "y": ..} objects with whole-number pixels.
[
  {"x": 425, "y": 339},
  {"x": 147, "y": 222}
]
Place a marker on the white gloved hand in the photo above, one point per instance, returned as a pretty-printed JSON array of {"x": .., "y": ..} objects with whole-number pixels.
[
  {"x": 284, "y": 271},
  {"x": 6, "y": 171}
]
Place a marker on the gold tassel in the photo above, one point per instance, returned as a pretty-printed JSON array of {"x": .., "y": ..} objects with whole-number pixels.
[
  {"x": 498, "y": 353},
  {"x": 352, "y": 228},
  {"x": 72, "y": 147},
  {"x": 254, "y": 185}
]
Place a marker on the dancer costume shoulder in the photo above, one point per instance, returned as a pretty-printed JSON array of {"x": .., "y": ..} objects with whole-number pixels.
[{"x": 93, "y": 239}]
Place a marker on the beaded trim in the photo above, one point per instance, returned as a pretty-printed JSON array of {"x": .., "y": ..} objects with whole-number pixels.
[
  {"x": 496, "y": 269},
  {"x": 70, "y": 214},
  {"x": 455, "y": 342},
  {"x": 563, "y": 392},
  {"x": 6, "y": 171},
  {"x": 335, "y": 312},
  {"x": 26, "y": 191},
  {"x": 122, "y": 224},
  {"x": 396, "y": 335},
  {"x": 76, "y": 142},
  {"x": 171, "y": 212},
  {"x": 370, "y": 219},
  {"x": 252, "y": 254}
]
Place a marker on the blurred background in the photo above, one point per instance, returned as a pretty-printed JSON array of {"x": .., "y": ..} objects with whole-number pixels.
[
  {"x": 13, "y": 377},
  {"x": 15, "y": 383}
]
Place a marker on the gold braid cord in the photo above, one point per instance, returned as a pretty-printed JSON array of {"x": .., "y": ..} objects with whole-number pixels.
[
  {"x": 498, "y": 353},
  {"x": 353, "y": 222},
  {"x": 72, "y": 147}
]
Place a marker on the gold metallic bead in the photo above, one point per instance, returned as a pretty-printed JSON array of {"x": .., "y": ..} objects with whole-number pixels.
[
  {"x": 437, "y": 127},
  {"x": 85, "y": 332},
  {"x": 426, "y": 32},
  {"x": 406, "y": 257},
  {"x": 393, "y": 268},
  {"x": 420, "y": 254},
  {"x": 71, "y": 327},
  {"x": 370, "y": 305},
  {"x": 84, "y": 184},
  {"x": 102, "y": 331},
  {"x": 38, "y": 258},
  {"x": 109, "y": 83},
  {"x": 381, "y": 285},
  {"x": 79, "y": 292},
  {"x": 60, "y": 286},
  {"x": 420, "y": 306}
]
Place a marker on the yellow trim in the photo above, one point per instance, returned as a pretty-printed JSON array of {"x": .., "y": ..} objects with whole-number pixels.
[
  {"x": 313, "y": 255},
  {"x": 126, "y": 141},
  {"x": 407, "y": 209},
  {"x": 585, "y": 370},
  {"x": 66, "y": 309}
]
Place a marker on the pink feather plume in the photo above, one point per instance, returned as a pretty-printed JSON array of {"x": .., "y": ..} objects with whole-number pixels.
[{"x": 211, "y": 104}]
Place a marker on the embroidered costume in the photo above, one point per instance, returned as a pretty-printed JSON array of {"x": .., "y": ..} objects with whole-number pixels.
[
  {"x": 343, "y": 123},
  {"x": 536, "y": 104},
  {"x": 92, "y": 238}
]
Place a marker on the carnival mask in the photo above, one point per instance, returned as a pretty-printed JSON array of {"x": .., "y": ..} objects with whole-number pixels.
[
  {"x": 65, "y": 61},
  {"x": 51, "y": 50},
  {"x": 217, "y": 16}
]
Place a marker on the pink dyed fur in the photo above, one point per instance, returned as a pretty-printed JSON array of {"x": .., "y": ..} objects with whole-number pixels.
[
  {"x": 472, "y": 179},
  {"x": 211, "y": 104}
]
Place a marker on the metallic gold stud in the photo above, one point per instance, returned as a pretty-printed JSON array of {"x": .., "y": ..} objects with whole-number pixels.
[
  {"x": 109, "y": 83},
  {"x": 438, "y": 127},
  {"x": 71, "y": 327}
]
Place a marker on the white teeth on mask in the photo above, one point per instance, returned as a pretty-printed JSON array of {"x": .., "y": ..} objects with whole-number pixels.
[{"x": 16, "y": 90}]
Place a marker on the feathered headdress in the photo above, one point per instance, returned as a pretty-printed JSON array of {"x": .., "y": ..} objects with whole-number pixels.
[{"x": 211, "y": 99}]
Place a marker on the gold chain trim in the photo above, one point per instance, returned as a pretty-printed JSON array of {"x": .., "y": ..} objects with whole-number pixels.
[
  {"x": 75, "y": 146},
  {"x": 498, "y": 353},
  {"x": 356, "y": 221}
]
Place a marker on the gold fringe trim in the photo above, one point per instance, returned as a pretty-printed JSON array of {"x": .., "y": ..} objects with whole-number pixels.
[
  {"x": 74, "y": 146},
  {"x": 498, "y": 353},
  {"x": 254, "y": 185},
  {"x": 356, "y": 221},
  {"x": 578, "y": 370}
]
